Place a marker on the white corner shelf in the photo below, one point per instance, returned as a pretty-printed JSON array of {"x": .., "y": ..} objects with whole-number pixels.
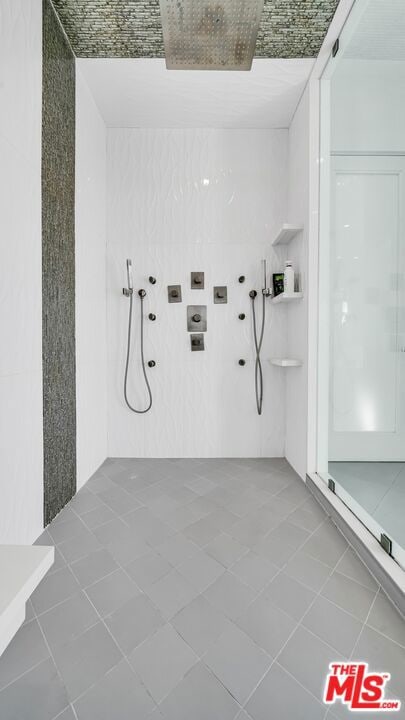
[
  {"x": 285, "y": 362},
  {"x": 284, "y": 297},
  {"x": 286, "y": 233}
]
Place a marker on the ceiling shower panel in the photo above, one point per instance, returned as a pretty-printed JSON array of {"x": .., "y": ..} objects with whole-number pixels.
[{"x": 209, "y": 34}]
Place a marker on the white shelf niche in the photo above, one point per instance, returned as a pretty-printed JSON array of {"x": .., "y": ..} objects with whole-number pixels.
[
  {"x": 285, "y": 362},
  {"x": 286, "y": 234},
  {"x": 287, "y": 297}
]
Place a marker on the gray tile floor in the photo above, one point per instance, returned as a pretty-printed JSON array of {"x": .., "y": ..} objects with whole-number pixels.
[
  {"x": 379, "y": 487},
  {"x": 196, "y": 590}
]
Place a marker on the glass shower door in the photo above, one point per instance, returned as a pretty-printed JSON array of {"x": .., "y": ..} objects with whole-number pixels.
[{"x": 361, "y": 404}]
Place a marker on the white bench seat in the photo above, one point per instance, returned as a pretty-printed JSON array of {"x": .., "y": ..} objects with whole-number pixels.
[{"x": 22, "y": 568}]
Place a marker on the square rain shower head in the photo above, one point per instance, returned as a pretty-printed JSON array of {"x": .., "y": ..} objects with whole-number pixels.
[{"x": 209, "y": 34}]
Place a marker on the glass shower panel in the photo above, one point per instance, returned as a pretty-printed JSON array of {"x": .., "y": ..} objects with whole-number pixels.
[{"x": 362, "y": 272}]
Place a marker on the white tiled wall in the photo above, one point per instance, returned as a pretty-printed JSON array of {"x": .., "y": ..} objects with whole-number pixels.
[
  {"x": 21, "y": 476},
  {"x": 183, "y": 200},
  {"x": 91, "y": 356},
  {"x": 297, "y": 313}
]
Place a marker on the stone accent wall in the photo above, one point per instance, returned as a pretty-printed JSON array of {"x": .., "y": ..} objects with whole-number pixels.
[
  {"x": 58, "y": 265},
  {"x": 132, "y": 28}
]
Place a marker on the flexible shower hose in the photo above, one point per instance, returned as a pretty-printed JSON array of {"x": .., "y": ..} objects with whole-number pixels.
[
  {"x": 258, "y": 347},
  {"x": 140, "y": 412}
]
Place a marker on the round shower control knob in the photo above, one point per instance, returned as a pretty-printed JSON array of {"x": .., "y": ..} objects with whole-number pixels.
[
  {"x": 195, "y": 342},
  {"x": 241, "y": 278},
  {"x": 174, "y": 293},
  {"x": 252, "y": 294},
  {"x": 196, "y": 318},
  {"x": 241, "y": 316},
  {"x": 242, "y": 362},
  {"x": 141, "y": 293},
  {"x": 152, "y": 316},
  {"x": 197, "y": 280},
  {"x": 152, "y": 280},
  {"x": 151, "y": 363}
]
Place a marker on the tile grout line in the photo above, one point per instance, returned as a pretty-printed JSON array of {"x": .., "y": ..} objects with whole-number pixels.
[
  {"x": 25, "y": 671},
  {"x": 100, "y": 618},
  {"x": 364, "y": 624},
  {"x": 201, "y": 657},
  {"x": 54, "y": 662},
  {"x": 299, "y": 623},
  {"x": 123, "y": 657},
  {"x": 202, "y": 548},
  {"x": 168, "y": 620},
  {"x": 69, "y": 707},
  {"x": 252, "y": 640}
]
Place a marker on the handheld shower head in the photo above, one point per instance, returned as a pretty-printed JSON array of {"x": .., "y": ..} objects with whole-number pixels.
[
  {"x": 129, "y": 274},
  {"x": 265, "y": 289}
]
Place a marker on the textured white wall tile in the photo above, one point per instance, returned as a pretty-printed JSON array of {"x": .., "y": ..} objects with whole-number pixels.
[
  {"x": 163, "y": 215},
  {"x": 20, "y": 243},
  {"x": 91, "y": 340},
  {"x": 297, "y": 327},
  {"x": 21, "y": 76},
  {"x": 21, "y": 472},
  {"x": 197, "y": 186},
  {"x": 21, "y": 476}
]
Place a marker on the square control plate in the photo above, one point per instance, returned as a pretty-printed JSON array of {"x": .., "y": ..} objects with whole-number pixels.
[{"x": 196, "y": 318}]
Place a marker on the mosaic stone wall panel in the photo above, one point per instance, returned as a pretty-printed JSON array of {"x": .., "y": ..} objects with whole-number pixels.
[
  {"x": 58, "y": 265},
  {"x": 132, "y": 28}
]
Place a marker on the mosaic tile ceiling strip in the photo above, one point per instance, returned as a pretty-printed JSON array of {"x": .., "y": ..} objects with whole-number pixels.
[{"x": 132, "y": 28}]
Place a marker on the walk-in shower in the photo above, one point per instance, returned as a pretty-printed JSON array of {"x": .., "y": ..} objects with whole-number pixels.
[
  {"x": 129, "y": 292},
  {"x": 258, "y": 337}
]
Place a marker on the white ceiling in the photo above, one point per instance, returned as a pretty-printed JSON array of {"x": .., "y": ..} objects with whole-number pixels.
[{"x": 142, "y": 93}]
